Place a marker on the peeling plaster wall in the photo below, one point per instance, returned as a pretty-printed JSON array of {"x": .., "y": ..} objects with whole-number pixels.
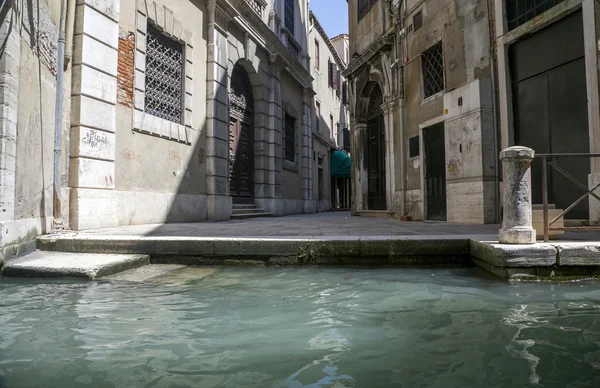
[{"x": 28, "y": 77}]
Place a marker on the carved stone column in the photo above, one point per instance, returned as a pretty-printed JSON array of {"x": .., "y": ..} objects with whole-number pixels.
[{"x": 517, "y": 219}]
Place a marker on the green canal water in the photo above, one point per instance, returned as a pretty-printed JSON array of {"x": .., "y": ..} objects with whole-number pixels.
[{"x": 310, "y": 327}]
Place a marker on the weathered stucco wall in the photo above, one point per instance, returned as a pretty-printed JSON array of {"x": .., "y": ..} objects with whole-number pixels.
[
  {"x": 151, "y": 171},
  {"x": 37, "y": 87},
  {"x": 463, "y": 28}
]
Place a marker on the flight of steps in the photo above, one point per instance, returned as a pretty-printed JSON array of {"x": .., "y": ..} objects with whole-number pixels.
[{"x": 246, "y": 210}]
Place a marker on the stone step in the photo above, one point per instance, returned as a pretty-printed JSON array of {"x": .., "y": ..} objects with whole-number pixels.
[
  {"x": 46, "y": 264},
  {"x": 243, "y": 216},
  {"x": 242, "y": 206},
  {"x": 248, "y": 211}
]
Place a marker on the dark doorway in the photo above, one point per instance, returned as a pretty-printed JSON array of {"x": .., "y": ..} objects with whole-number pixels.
[
  {"x": 376, "y": 151},
  {"x": 550, "y": 107},
  {"x": 435, "y": 172},
  {"x": 241, "y": 135}
]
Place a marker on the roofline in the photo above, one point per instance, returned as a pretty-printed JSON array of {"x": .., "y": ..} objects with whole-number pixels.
[{"x": 321, "y": 31}]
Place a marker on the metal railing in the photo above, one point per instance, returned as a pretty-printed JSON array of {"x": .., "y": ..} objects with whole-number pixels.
[{"x": 550, "y": 160}]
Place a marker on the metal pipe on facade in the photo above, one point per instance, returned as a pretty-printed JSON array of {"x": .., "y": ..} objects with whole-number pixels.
[
  {"x": 58, "y": 118},
  {"x": 494, "y": 112},
  {"x": 70, "y": 26}
]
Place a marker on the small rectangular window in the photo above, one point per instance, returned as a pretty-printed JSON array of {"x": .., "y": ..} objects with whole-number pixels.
[
  {"x": 345, "y": 93},
  {"x": 418, "y": 20},
  {"x": 164, "y": 76},
  {"x": 318, "y": 116},
  {"x": 364, "y": 6},
  {"x": 432, "y": 62},
  {"x": 346, "y": 141},
  {"x": 413, "y": 145},
  {"x": 290, "y": 138},
  {"x": 317, "y": 59},
  {"x": 331, "y": 123}
]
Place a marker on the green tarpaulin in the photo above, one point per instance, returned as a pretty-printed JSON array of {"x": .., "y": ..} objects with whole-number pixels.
[{"x": 340, "y": 165}]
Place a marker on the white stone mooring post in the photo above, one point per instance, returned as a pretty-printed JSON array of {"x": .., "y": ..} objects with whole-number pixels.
[{"x": 516, "y": 221}]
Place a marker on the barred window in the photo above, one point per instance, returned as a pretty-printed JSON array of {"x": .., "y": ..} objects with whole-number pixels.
[
  {"x": 290, "y": 138},
  {"x": 521, "y": 11},
  {"x": 164, "y": 76},
  {"x": 289, "y": 15},
  {"x": 432, "y": 62}
]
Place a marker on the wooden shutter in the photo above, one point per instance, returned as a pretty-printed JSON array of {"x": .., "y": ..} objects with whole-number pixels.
[{"x": 345, "y": 93}]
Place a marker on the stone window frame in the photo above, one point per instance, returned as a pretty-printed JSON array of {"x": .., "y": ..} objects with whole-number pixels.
[
  {"x": 287, "y": 109},
  {"x": 162, "y": 18}
]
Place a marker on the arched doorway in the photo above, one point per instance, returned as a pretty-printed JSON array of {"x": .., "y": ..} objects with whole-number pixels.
[
  {"x": 241, "y": 135},
  {"x": 376, "y": 150}
]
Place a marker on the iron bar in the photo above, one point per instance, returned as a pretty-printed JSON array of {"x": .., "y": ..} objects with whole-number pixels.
[
  {"x": 584, "y": 196},
  {"x": 566, "y": 174},
  {"x": 545, "y": 198},
  {"x": 567, "y": 155}
]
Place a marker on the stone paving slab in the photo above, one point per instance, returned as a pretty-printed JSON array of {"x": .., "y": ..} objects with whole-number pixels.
[
  {"x": 63, "y": 264},
  {"x": 303, "y": 225}
]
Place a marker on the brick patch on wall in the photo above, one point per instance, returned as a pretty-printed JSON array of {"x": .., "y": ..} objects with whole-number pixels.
[{"x": 126, "y": 69}]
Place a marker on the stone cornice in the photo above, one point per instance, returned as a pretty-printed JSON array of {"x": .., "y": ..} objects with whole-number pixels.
[
  {"x": 271, "y": 42},
  {"x": 384, "y": 44}
]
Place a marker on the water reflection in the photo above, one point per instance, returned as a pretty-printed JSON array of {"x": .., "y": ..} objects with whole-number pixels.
[{"x": 301, "y": 328}]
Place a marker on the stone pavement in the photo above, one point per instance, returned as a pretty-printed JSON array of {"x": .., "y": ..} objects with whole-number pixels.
[{"x": 303, "y": 226}]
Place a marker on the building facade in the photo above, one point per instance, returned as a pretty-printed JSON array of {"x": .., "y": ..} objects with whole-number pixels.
[
  {"x": 438, "y": 88},
  {"x": 170, "y": 111},
  {"x": 330, "y": 121},
  {"x": 420, "y": 75}
]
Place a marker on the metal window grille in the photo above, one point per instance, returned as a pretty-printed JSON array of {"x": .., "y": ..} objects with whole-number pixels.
[
  {"x": 290, "y": 138},
  {"x": 433, "y": 70},
  {"x": 521, "y": 11},
  {"x": 164, "y": 76},
  {"x": 289, "y": 15}
]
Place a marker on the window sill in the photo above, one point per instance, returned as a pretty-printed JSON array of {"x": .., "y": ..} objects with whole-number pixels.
[
  {"x": 433, "y": 97},
  {"x": 156, "y": 126},
  {"x": 290, "y": 166}
]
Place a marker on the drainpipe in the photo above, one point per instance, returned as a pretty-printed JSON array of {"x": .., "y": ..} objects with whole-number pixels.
[
  {"x": 494, "y": 113},
  {"x": 69, "y": 32},
  {"x": 57, "y": 211}
]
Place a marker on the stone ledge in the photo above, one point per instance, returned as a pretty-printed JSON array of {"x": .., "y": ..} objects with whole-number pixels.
[
  {"x": 514, "y": 256},
  {"x": 81, "y": 265},
  {"x": 578, "y": 254}
]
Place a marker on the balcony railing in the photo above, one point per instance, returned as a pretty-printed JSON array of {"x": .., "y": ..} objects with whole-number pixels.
[{"x": 257, "y": 6}]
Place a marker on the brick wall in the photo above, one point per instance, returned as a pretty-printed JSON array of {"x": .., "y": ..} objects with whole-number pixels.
[{"x": 125, "y": 71}]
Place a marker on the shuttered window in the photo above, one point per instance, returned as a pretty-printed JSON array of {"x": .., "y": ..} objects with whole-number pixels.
[{"x": 364, "y": 6}]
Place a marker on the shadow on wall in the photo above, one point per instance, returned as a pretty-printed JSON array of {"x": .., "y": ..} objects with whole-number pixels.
[{"x": 222, "y": 148}]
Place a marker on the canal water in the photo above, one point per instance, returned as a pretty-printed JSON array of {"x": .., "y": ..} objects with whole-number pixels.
[{"x": 309, "y": 327}]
